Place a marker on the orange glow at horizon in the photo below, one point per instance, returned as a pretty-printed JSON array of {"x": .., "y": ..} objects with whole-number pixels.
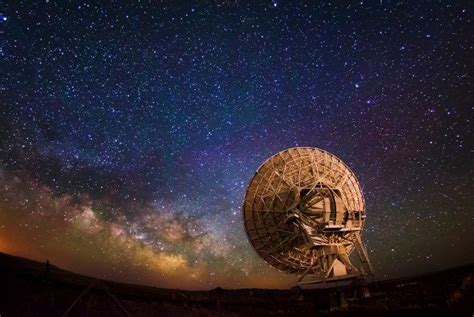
[{"x": 72, "y": 236}]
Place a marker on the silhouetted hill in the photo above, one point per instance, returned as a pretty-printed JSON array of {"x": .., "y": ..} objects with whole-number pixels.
[{"x": 31, "y": 288}]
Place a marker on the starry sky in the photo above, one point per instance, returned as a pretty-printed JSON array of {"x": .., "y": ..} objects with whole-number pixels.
[{"x": 129, "y": 130}]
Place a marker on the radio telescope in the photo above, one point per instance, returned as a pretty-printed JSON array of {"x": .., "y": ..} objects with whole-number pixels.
[{"x": 304, "y": 212}]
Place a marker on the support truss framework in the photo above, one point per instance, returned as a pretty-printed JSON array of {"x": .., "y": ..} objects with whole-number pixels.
[{"x": 304, "y": 212}]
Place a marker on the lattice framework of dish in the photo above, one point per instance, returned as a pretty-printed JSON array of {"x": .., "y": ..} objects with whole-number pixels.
[{"x": 304, "y": 211}]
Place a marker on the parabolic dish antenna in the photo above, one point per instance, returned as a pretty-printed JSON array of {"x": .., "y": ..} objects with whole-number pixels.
[{"x": 304, "y": 212}]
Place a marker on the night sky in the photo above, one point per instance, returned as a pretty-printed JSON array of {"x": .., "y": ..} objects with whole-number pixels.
[{"x": 129, "y": 132}]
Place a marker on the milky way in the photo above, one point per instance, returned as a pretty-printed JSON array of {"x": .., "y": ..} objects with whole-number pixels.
[{"x": 129, "y": 131}]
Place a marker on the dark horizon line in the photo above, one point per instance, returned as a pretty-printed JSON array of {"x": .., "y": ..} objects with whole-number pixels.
[{"x": 371, "y": 281}]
